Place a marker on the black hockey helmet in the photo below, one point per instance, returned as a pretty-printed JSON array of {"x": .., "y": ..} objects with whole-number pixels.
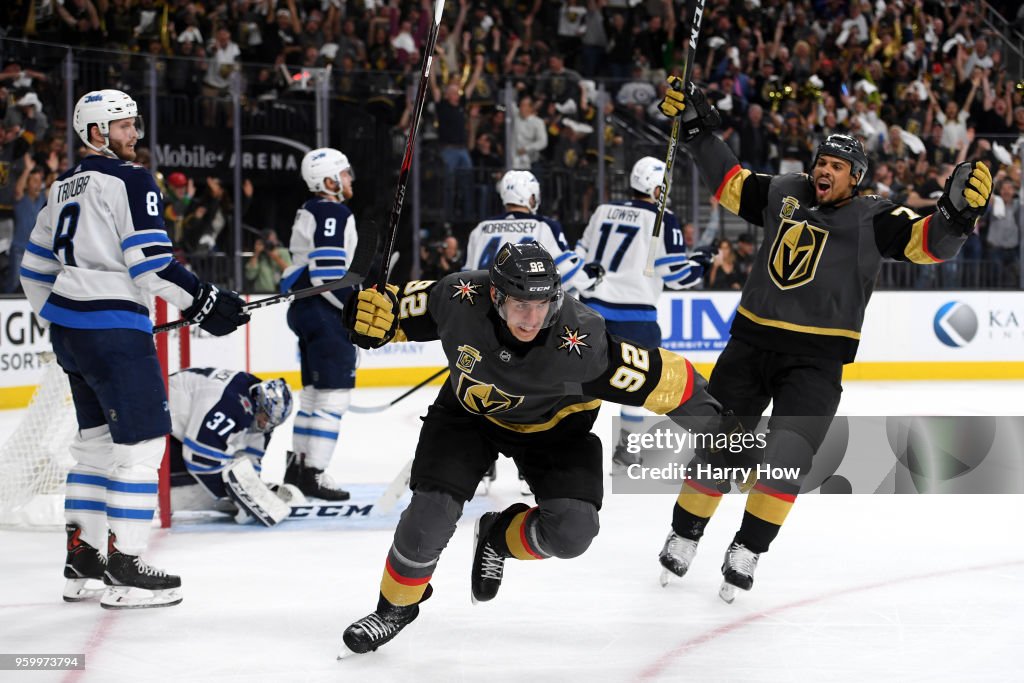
[
  {"x": 845, "y": 147},
  {"x": 526, "y": 272}
]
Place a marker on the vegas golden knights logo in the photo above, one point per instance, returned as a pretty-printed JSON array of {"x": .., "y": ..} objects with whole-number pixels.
[
  {"x": 795, "y": 253},
  {"x": 484, "y": 399},
  {"x": 468, "y": 357}
]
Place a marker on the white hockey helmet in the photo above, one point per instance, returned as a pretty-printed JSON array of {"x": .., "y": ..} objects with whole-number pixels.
[
  {"x": 320, "y": 164},
  {"x": 520, "y": 188},
  {"x": 99, "y": 108},
  {"x": 274, "y": 398},
  {"x": 648, "y": 173}
]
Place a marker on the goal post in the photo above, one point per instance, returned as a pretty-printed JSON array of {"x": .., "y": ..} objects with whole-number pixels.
[{"x": 36, "y": 457}]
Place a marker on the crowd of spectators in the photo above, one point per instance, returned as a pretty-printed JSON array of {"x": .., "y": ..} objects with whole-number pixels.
[{"x": 924, "y": 83}]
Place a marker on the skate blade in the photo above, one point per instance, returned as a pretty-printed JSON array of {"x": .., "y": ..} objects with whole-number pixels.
[
  {"x": 77, "y": 590},
  {"x": 128, "y": 597},
  {"x": 665, "y": 578},
  {"x": 345, "y": 652},
  {"x": 727, "y": 592},
  {"x": 524, "y": 489}
]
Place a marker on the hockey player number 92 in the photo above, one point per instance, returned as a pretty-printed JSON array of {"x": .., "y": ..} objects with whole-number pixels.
[{"x": 631, "y": 377}]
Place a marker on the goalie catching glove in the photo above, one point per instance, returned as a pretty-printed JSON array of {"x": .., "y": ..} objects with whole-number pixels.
[
  {"x": 371, "y": 317},
  {"x": 217, "y": 311},
  {"x": 698, "y": 115},
  {"x": 966, "y": 195}
]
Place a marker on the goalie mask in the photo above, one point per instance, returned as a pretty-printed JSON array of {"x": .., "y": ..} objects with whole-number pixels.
[
  {"x": 323, "y": 163},
  {"x": 648, "y": 174},
  {"x": 100, "y": 107},
  {"x": 274, "y": 399},
  {"x": 520, "y": 188},
  {"x": 528, "y": 273}
]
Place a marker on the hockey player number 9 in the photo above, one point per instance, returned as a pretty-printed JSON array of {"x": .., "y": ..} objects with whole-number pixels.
[{"x": 631, "y": 378}]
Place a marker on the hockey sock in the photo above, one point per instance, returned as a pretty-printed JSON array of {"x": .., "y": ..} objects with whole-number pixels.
[
  {"x": 422, "y": 533},
  {"x": 520, "y": 536},
  {"x": 630, "y": 421},
  {"x": 132, "y": 492},
  {"x": 694, "y": 508},
  {"x": 317, "y": 424},
  {"x": 85, "y": 502}
]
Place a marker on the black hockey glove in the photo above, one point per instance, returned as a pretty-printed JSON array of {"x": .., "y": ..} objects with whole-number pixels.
[
  {"x": 217, "y": 311},
  {"x": 698, "y": 115},
  {"x": 371, "y": 317},
  {"x": 703, "y": 256},
  {"x": 965, "y": 197},
  {"x": 595, "y": 271}
]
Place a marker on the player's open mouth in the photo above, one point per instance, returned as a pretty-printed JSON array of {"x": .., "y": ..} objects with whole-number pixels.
[{"x": 823, "y": 186}]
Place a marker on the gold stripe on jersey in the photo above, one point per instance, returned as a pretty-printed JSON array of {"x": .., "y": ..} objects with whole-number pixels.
[
  {"x": 555, "y": 419},
  {"x": 698, "y": 500},
  {"x": 793, "y": 327},
  {"x": 917, "y": 246},
  {"x": 515, "y": 538},
  {"x": 771, "y": 506},
  {"x": 675, "y": 386},
  {"x": 729, "y": 191}
]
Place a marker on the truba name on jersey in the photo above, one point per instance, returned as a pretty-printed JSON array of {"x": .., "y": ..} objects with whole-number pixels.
[
  {"x": 510, "y": 226},
  {"x": 72, "y": 188},
  {"x": 624, "y": 215}
]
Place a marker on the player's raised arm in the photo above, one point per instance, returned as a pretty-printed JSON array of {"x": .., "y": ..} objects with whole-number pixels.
[
  {"x": 739, "y": 190},
  {"x": 902, "y": 234},
  {"x": 400, "y": 313}
]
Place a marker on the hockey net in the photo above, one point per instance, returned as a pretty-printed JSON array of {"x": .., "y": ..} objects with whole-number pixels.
[{"x": 35, "y": 458}]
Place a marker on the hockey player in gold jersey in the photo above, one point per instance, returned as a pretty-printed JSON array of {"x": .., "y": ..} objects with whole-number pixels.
[{"x": 801, "y": 310}]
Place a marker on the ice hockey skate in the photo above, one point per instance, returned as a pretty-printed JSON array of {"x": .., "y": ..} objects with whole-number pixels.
[
  {"x": 738, "y": 571},
  {"x": 380, "y": 626},
  {"x": 133, "y": 584},
  {"x": 489, "y": 553},
  {"x": 524, "y": 486},
  {"x": 311, "y": 481},
  {"x": 676, "y": 556},
  {"x": 622, "y": 459},
  {"x": 484, "y": 487},
  {"x": 83, "y": 568}
]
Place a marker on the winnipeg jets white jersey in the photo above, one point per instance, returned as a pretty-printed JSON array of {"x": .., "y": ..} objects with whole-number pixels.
[
  {"x": 518, "y": 226},
  {"x": 323, "y": 243},
  {"x": 99, "y": 250},
  {"x": 211, "y": 415},
  {"x": 618, "y": 237}
]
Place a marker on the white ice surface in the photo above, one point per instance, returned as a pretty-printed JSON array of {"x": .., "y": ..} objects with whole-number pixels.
[{"x": 880, "y": 588}]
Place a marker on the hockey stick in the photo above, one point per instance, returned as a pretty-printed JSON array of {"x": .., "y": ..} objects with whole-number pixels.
[
  {"x": 689, "y": 52},
  {"x": 410, "y": 143},
  {"x": 366, "y": 249},
  {"x": 395, "y": 490},
  {"x": 385, "y": 406}
]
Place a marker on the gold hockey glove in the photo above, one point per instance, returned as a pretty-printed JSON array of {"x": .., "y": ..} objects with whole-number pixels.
[{"x": 372, "y": 318}]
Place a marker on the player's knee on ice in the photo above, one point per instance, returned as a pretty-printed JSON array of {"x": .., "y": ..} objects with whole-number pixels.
[
  {"x": 427, "y": 524},
  {"x": 566, "y": 526}
]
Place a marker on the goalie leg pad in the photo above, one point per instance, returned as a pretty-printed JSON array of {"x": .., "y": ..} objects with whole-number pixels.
[{"x": 253, "y": 497}]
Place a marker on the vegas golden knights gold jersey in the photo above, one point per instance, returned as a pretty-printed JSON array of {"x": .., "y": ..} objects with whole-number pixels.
[{"x": 815, "y": 271}]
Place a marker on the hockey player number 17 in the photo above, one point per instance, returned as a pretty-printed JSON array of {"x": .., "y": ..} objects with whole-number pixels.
[{"x": 631, "y": 377}]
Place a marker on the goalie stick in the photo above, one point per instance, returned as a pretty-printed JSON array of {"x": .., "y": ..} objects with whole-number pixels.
[
  {"x": 366, "y": 250},
  {"x": 689, "y": 53}
]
